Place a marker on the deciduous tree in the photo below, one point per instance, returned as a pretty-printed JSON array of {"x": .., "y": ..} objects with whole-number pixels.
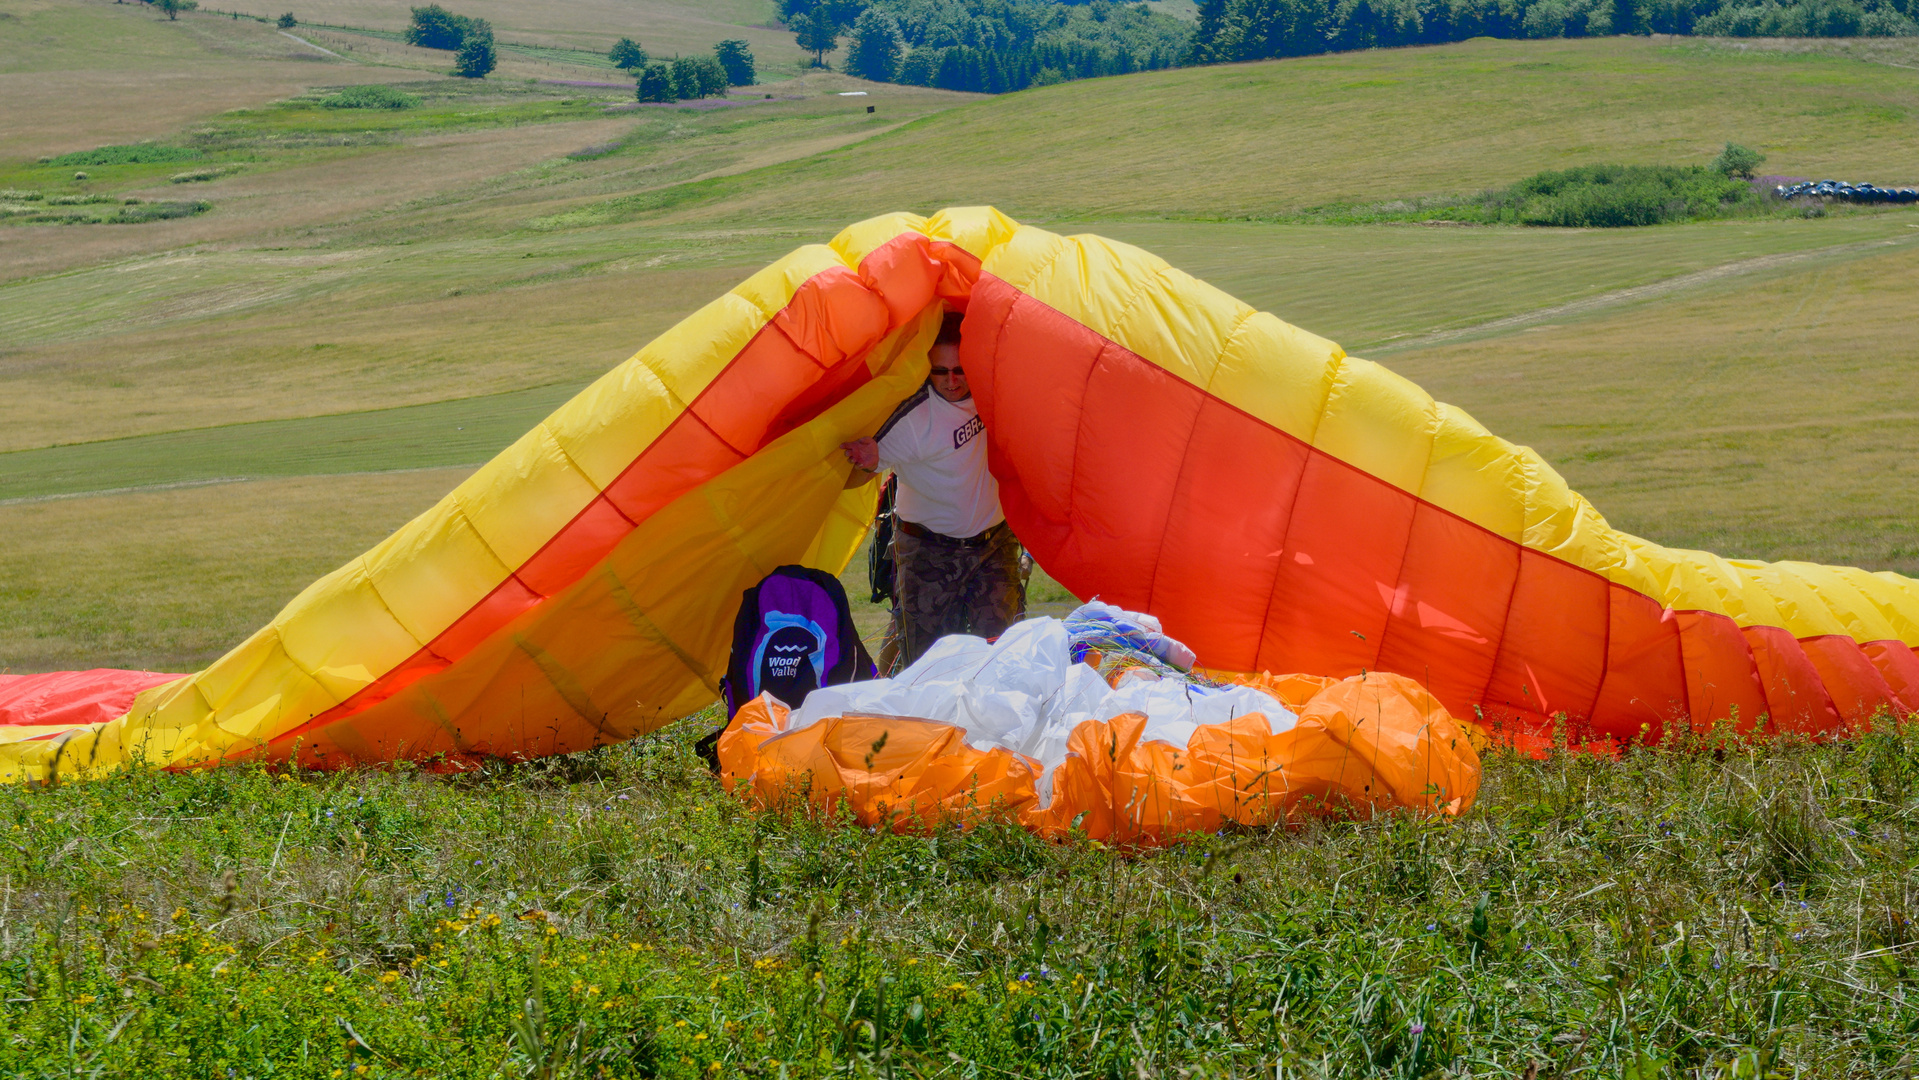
[
  {"x": 476, "y": 57},
  {"x": 919, "y": 67},
  {"x": 434, "y": 27},
  {"x": 818, "y": 34},
  {"x": 626, "y": 54},
  {"x": 698, "y": 77},
  {"x": 875, "y": 48},
  {"x": 656, "y": 83},
  {"x": 737, "y": 58}
]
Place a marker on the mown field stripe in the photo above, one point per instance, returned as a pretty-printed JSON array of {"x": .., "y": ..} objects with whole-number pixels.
[
  {"x": 443, "y": 433},
  {"x": 1593, "y": 305}
]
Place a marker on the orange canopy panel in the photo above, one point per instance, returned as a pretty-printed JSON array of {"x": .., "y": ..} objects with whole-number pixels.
[
  {"x": 1356, "y": 746},
  {"x": 1280, "y": 506}
]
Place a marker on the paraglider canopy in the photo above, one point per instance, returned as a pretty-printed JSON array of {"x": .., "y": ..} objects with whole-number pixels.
[{"x": 1278, "y": 504}]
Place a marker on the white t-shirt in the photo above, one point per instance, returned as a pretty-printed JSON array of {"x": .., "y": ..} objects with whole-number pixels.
[{"x": 938, "y": 448}]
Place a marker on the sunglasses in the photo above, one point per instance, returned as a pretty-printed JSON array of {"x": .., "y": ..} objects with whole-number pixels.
[{"x": 942, "y": 372}]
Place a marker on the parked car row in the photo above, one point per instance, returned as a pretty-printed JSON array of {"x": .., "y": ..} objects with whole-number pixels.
[{"x": 1838, "y": 189}]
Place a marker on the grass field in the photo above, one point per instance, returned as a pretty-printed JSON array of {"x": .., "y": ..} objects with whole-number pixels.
[
  {"x": 1720, "y": 911},
  {"x": 200, "y": 416}
]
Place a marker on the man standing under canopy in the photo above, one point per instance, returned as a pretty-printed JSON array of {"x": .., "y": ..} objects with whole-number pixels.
[{"x": 957, "y": 562}]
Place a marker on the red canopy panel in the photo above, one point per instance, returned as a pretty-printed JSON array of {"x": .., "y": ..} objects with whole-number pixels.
[{"x": 73, "y": 698}]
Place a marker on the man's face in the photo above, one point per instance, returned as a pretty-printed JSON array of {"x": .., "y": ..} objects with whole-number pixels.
[{"x": 949, "y": 381}]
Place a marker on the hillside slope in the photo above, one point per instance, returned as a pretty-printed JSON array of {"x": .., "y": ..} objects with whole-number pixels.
[{"x": 1266, "y": 138}]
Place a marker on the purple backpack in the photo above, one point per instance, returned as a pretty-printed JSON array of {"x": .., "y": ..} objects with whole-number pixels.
[{"x": 794, "y": 634}]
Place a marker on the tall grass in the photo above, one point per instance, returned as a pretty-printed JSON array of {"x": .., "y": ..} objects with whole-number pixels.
[
  {"x": 371, "y": 96},
  {"x": 131, "y": 154},
  {"x": 1723, "y": 908}
]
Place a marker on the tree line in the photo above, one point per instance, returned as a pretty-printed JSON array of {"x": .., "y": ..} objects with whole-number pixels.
[
  {"x": 1231, "y": 30},
  {"x": 987, "y": 46},
  {"x": 471, "y": 40},
  {"x": 996, "y": 46},
  {"x": 685, "y": 77}
]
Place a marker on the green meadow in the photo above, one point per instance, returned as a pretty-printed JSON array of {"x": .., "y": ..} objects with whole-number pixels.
[{"x": 201, "y": 414}]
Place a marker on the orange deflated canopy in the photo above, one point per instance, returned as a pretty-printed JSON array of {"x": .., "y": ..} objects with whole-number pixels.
[
  {"x": 1016, "y": 728},
  {"x": 1280, "y": 505}
]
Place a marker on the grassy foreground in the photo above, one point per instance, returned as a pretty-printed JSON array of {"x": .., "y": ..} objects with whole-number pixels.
[{"x": 1721, "y": 909}]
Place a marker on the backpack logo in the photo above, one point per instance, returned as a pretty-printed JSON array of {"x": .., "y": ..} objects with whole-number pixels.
[
  {"x": 793, "y": 634},
  {"x": 791, "y": 640}
]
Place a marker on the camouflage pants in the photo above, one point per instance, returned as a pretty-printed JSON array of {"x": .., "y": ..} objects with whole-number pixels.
[{"x": 946, "y": 587}]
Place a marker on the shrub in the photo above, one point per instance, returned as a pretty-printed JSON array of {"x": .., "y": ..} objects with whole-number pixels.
[
  {"x": 287, "y": 21},
  {"x": 1737, "y": 160},
  {"x": 370, "y": 97},
  {"x": 1613, "y": 196},
  {"x": 1590, "y": 196}
]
